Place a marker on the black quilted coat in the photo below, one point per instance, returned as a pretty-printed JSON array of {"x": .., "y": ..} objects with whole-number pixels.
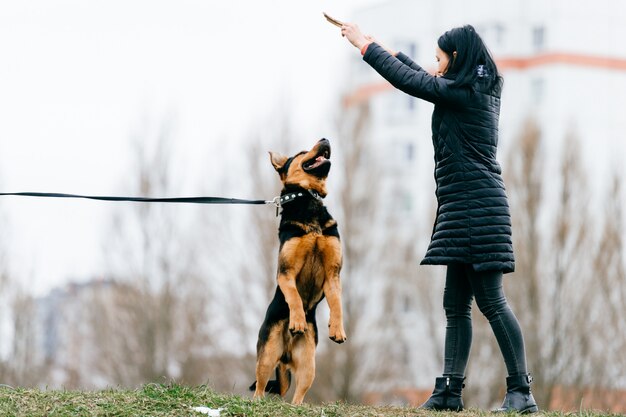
[{"x": 473, "y": 224}]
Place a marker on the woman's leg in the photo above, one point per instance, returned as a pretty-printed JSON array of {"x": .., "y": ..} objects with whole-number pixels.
[
  {"x": 457, "y": 303},
  {"x": 491, "y": 301},
  {"x": 487, "y": 287}
]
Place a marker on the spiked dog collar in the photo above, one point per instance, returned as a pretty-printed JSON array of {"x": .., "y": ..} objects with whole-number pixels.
[{"x": 289, "y": 197}]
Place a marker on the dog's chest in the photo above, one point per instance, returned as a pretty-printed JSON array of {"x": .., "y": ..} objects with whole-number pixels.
[{"x": 310, "y": 280}]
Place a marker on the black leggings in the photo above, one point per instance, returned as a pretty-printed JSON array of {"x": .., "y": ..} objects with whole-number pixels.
[{"x": 462, "y": 285}]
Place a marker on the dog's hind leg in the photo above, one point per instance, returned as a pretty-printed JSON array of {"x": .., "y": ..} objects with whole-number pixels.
[
  {"x": 303, "y": 362},
  {"x": 283, "y": 379},
  {"x": 281, "y": 384},
  {"x": 268, "y": 357}
]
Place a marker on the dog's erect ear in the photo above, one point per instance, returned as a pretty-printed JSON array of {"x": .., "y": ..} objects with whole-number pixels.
[{"x": 278, "y": 160}]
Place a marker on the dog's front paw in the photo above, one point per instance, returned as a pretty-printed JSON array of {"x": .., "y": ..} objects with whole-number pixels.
[
  {"x": 297, "y": 323},
  {"x": 336, "y": 332}
]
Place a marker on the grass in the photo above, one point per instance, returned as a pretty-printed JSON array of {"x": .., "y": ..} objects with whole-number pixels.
[{"x": 177, "y": 400}]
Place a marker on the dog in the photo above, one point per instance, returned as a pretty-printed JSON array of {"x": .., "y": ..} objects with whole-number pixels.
[{"x": 309, "y": 262}]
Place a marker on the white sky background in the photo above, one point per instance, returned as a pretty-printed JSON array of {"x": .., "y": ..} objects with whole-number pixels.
[{"x": 78, "y": 78}]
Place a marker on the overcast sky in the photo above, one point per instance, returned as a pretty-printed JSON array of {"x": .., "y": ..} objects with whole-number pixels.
[{"x": 78, "y": 78}]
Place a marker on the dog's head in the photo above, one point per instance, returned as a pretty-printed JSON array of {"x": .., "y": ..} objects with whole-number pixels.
[{"x": 305, "y": 169}]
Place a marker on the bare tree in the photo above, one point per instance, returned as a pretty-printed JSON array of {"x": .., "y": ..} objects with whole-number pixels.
[
  {"x": 609, "y": 271},
  {"x": 525, "y": 175},
  {"x": 4, "y": 301},
  {"x": 151, "y": 324},
  {"x": 23, "y": 365},
  {"x": 568, "y": 323}
]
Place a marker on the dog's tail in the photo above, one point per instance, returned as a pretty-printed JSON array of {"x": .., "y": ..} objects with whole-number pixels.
[{"x": 281, "y": 384}]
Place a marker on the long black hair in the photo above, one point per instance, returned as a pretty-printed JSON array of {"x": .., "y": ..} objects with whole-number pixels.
[{"x": 472, "y": 60}]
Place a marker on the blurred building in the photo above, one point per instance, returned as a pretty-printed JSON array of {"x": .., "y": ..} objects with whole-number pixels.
[
  {"x": 563, "y": 62},
  {"x": 65, "y": 335},
  {"x": 564, "y": 65}
]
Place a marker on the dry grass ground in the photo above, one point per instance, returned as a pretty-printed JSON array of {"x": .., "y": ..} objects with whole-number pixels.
[{"x": 177, "y": 400}]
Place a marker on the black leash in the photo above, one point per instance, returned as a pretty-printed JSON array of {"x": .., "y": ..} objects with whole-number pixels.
[{"x": 194, "y": 200}]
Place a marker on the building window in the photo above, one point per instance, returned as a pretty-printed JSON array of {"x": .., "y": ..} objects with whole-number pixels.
[
  {"x": 493, "y": 33},
  {"x": 499, "y": 33},
  {"x": 539, "y": 37},
  {"x": 402, "y": 201},
  {"x": 403, "y": 152},
  {"x": 407, "y": 304},
  {"x": 409, "y": 152},
  {"x": 412, "y": 50},
  {"x": 410, "y": 102},
  {"x": 537, "y": 87},
  {"x": 400, "y": 108}
]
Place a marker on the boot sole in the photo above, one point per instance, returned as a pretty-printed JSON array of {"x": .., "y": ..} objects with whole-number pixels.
[
  {"x": 528, "y": 410},
  {"x": 440, "y": 409}
]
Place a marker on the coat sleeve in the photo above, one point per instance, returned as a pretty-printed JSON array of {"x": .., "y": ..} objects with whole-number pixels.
[
  {"x": 407, "y": 76},
  {"x": 402, "y": 57}
]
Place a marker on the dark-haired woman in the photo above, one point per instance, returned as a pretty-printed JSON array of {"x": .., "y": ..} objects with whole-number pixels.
[{"x": 472, "y": 231}]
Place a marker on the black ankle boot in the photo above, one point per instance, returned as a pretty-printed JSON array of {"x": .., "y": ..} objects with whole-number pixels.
[
  {"x": 518, "y": 396},
  {"x": 446, "y": 395}
]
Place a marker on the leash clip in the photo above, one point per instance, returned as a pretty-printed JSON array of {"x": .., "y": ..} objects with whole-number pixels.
[{"x": 276, "y": 202}]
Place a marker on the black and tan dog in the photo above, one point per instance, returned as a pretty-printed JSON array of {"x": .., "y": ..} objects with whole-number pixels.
[{"x": 309, "y": 261}]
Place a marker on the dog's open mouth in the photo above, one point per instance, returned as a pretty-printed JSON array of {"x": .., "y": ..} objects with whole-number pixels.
[
  {"x": 317, "y": 161},
  {"x": 320, "y": 163}
]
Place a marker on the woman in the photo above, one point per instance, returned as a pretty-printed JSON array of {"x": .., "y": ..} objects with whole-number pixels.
[{"x": 472, "y": 231}]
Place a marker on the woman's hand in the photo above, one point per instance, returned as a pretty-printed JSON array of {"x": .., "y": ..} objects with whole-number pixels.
[{"x": 352, "y": 32}]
